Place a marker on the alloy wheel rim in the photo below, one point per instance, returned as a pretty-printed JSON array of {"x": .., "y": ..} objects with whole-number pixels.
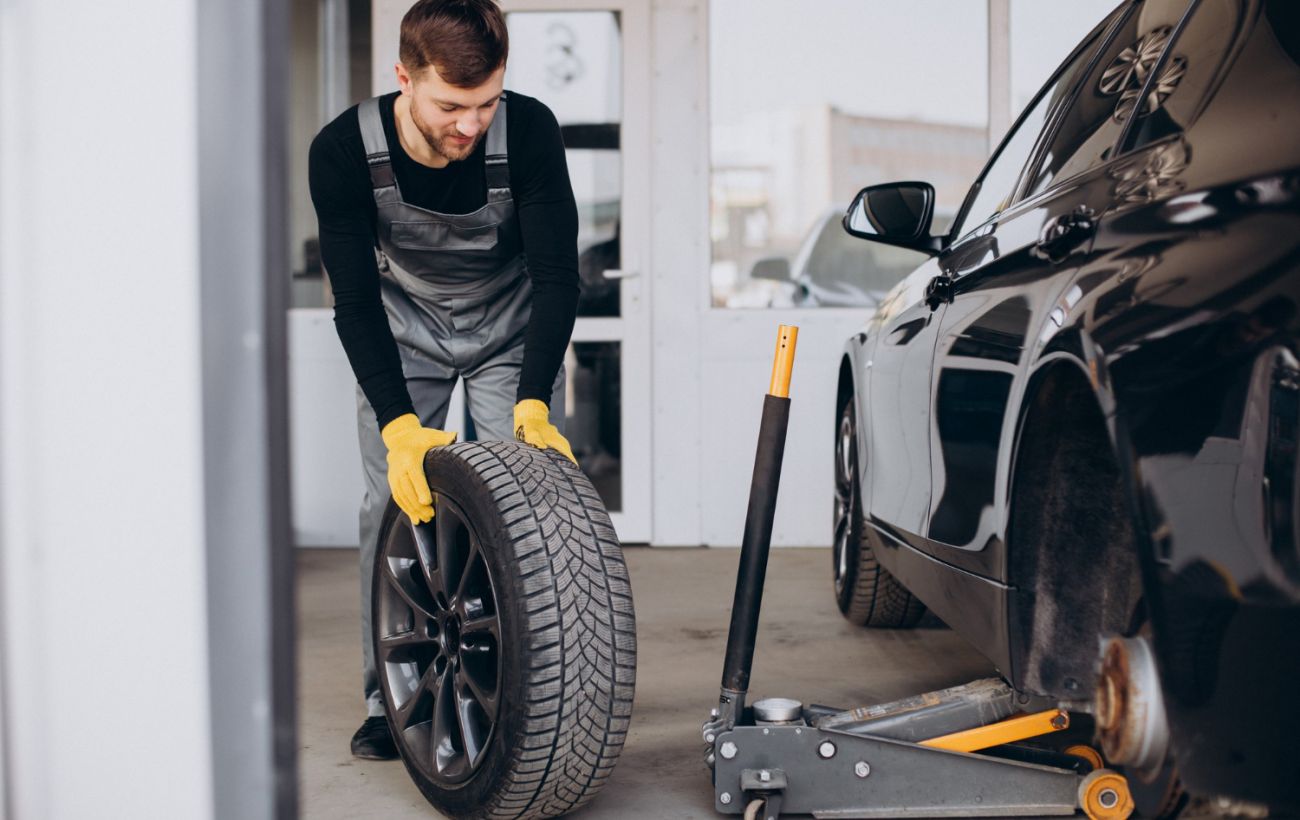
[
  {"x": 438, "y": 649},
  {"x": 845, "y": 463}
]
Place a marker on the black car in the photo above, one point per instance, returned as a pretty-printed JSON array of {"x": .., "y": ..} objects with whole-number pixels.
[{"x": 1072, "y": 432}]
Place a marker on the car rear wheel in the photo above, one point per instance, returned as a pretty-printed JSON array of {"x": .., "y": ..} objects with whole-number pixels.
[
  {"x": 866, "y": 593},
  {"x": 504, "y": 634}
]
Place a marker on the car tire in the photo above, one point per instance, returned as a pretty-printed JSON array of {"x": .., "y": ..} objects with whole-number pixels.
[
  {"x": 866, "y": 593},
  {"x": 504, "y": 634}
]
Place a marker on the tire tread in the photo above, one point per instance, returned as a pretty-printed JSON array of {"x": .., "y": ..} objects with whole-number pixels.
[{"x": 580, "y": 628}]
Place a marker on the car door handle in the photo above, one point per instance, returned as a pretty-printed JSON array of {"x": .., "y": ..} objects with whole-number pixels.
[
  {"x": 1064, "y": 234},
  {"x": 938, "y": 291}
]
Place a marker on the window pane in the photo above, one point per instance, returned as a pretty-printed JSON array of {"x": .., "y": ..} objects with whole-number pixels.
[
  {"x": 1043, "y": 35},
  {"x": 572, "y": 61},
  {"x": 1108, "y": 96},
  {"x": 999, "y": 182},
  {"x": 849, "y": 100},
  {"x": 326, "y": 76},
  {"x": 593, "y": 416}
]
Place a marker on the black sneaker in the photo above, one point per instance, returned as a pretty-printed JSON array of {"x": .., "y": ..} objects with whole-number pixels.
[{"x": 373, "y": 741}]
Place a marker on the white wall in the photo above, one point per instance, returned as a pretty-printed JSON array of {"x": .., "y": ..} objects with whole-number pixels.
[
  {"x": 323, "y": 433},
  {"x": 736, "y": 369},
  {"x": 101, "y": 500}
]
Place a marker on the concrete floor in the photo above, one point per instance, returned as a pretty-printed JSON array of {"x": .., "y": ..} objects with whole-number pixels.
[{"x": 805, "y": 650}]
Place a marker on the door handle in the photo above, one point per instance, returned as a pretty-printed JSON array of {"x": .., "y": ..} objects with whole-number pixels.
[
  {"x": 615, "y": 273},
  {"x": 938, "y": 291},
  {"x": 1063, "y": 235}
]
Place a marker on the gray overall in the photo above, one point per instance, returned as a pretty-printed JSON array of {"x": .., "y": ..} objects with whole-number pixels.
[{"x": 457, "y": 294}]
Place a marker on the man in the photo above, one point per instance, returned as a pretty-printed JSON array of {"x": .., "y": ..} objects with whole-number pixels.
[{"x": 475, "y": 276}]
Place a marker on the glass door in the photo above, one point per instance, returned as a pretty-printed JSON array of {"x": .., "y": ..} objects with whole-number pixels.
[{"x": 588, "y": 62}]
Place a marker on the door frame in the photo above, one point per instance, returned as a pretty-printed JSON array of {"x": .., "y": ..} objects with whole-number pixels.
[{"x": 631, "y": 328}]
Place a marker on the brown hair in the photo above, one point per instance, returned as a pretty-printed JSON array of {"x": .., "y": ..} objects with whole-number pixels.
[{"x": 465, "y": 40}]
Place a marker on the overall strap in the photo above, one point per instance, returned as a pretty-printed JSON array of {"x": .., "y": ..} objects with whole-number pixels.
[
  {"x": 376, "y": 145},
  {"x": 498, "y": 167}
]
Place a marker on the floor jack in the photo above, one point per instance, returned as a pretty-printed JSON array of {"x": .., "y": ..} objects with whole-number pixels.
[{"x": 953, "y": 753}]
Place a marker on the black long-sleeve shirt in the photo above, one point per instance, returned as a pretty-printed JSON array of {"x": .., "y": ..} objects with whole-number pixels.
[{"x": 548, "y": 221}]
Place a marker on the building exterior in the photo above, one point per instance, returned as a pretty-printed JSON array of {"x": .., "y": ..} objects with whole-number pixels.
[{"x": 776, "y": 172}]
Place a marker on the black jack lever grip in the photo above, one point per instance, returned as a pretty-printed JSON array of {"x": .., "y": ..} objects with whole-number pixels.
[{"x": 757, "y": 540}]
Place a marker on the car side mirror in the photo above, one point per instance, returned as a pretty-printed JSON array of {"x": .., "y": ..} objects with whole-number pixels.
[
  {"x": 898, "y": 213},
  {"x": 774, "y": 268}
]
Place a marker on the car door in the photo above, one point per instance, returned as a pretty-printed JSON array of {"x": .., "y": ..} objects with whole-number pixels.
[
  {"x": 1009, "y": 275},
  {"x": 896, "y": 452}
]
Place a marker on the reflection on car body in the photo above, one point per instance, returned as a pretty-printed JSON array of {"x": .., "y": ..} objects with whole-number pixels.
[{"x": 832, "y": 269}]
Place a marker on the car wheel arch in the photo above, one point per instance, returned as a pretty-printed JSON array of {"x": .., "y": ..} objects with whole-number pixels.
[{"x": 1073, "y": 580}]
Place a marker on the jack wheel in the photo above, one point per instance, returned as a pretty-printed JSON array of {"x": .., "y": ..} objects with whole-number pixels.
[
  {"x": 1104, "y": 795},
  {"x": 754, "y": 811},
  {"x": 1087, "y": 753}
]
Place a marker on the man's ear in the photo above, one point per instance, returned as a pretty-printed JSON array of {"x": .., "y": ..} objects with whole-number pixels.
[{"x": 403, "y": 78}]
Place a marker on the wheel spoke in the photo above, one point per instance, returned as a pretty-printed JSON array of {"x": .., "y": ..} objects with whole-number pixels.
[
  {"x": 397, "y": 585},
  {"x": 446, "y": 738},
  {"x": 408, "y": 708},
  {"x": 449, "y": 544},
  {"x": 485, "y": 625},
  {"x": 844, "y": 458},
  {"x": 423, "y": 534},
  {"x": 841, "y": 556},
  {"x": 404, "y": 641},
  {"x": 470, "y": 732},
  {"x": 474, "y": 557},
  {"x": 486, "y": 700}
]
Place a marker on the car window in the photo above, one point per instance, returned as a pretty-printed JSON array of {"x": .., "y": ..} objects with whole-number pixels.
[
  {"x": 1108, "y": 97},
  {"x": 1187, "y": 73},
  {"x": 998, "y": 184}
]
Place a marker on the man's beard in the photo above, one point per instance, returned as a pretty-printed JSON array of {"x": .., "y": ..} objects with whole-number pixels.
[{"x": 444, "y": 146}]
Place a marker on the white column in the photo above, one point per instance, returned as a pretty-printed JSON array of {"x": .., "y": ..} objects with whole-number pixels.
[
  {"x": 679, "y": 224},
  {"x": 103, "y": 601},
  {"x": 1000, "y": 113},
  {"x": 385, "y": 25}
]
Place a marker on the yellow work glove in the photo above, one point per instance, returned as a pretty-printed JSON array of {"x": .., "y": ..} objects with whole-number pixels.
[
  {"x": 533, "y": 426},
  {"x": 407, "y": 444}
]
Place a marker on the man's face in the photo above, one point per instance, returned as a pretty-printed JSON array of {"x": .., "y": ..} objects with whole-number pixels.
[{"x": 451, "y": 119}]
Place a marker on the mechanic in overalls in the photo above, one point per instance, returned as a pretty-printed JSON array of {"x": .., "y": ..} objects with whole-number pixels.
[{"x": 449, "y": 233}]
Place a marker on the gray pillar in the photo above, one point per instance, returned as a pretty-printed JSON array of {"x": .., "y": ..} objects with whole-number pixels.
[
  {"x": 334, "y": 59},
  {"x": 243, "y": 266}
]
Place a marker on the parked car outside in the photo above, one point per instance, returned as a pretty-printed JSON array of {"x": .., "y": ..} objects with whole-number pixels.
[
  {"x": 833, "y": 269},
  {"x": 1072, "y": 431}
]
